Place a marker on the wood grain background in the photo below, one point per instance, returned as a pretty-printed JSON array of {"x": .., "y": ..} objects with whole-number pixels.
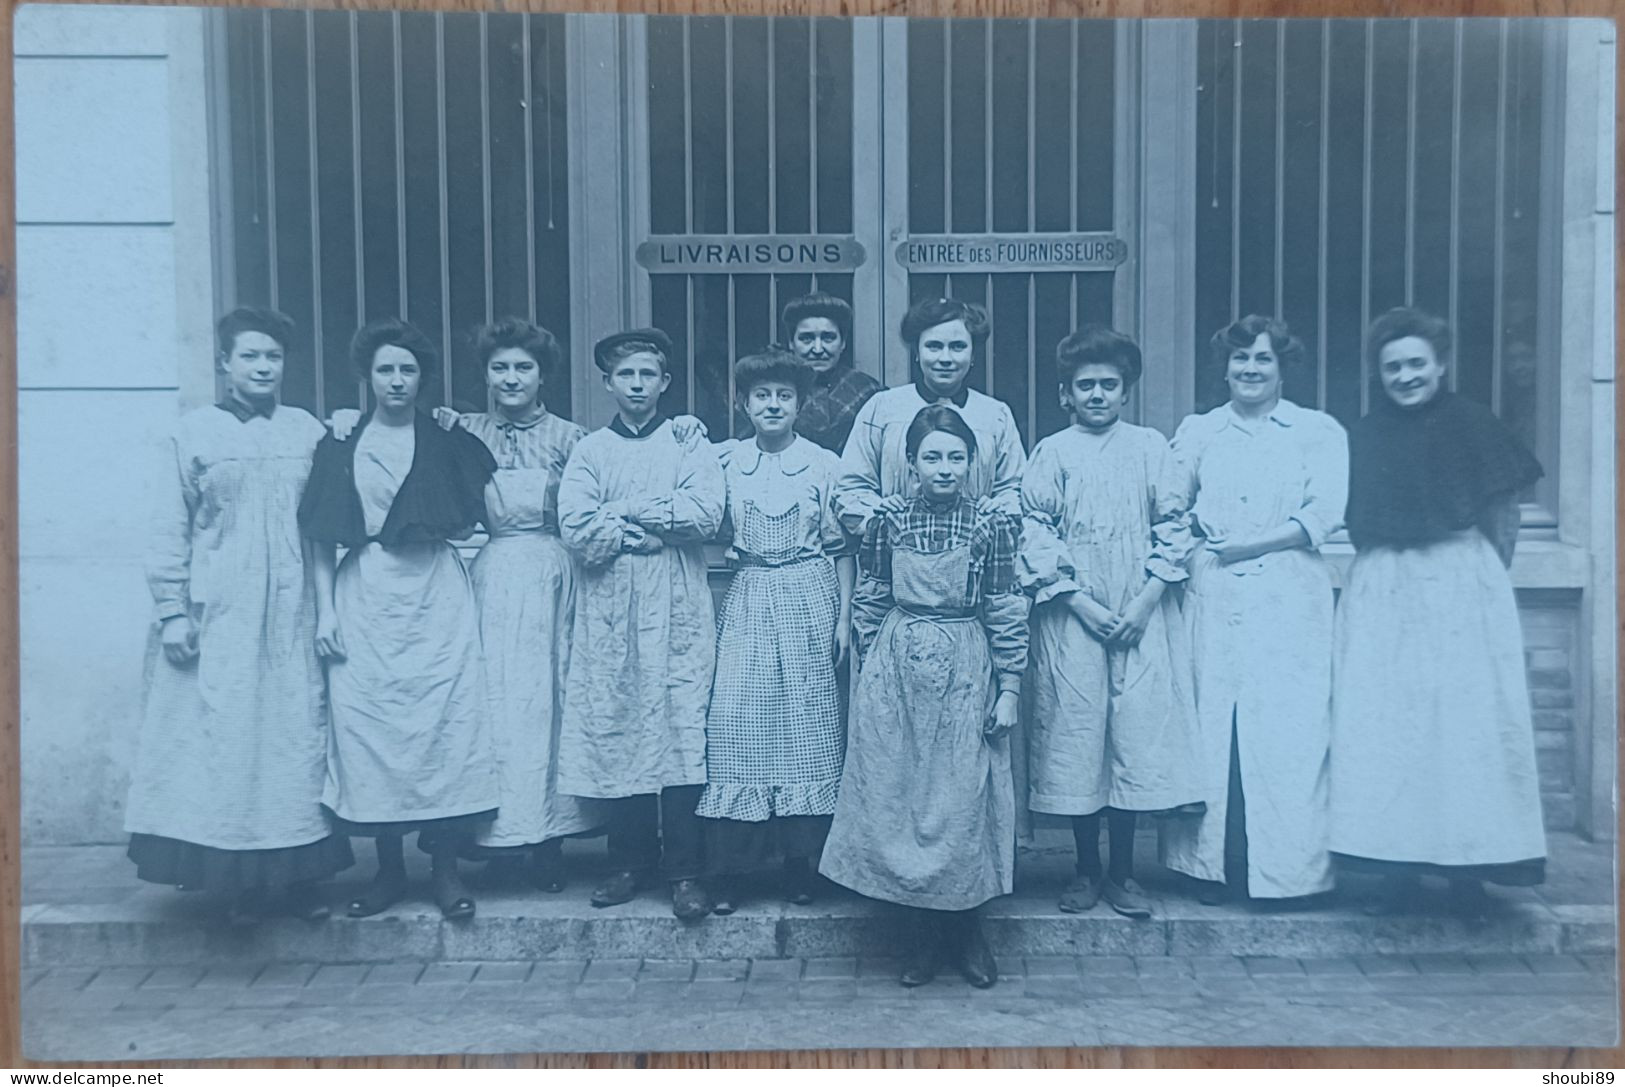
[{"x": 1115, "y": 1057}]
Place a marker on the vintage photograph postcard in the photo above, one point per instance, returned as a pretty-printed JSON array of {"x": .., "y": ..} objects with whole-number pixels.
[{"x": 591, "y": 533}]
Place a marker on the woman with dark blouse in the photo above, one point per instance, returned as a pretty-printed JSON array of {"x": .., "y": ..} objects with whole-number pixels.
[
  {"x": 398, "y": 625},
  {"x": 1433, "y": 747}
]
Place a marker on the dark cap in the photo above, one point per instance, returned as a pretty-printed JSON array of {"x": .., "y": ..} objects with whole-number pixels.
[{"x": 643, "y": 337}]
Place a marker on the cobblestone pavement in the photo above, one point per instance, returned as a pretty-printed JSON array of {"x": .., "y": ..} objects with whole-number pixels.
[{"x": 142, "y": 1013}]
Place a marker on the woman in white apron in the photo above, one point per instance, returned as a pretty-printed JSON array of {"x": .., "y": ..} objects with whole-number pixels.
[{"x": 1270, "y": 480}]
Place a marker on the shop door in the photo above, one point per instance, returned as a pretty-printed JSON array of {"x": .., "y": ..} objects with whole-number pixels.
[{"x": 883, "y": 160}]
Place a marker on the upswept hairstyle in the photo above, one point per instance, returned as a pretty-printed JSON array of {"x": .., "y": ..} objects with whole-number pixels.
[
  {"x": 1403, "y": 321},
  {"x": 392, "y": 332},
  {"x": 533, "y": 340},
  {"x": 1098, "y": 345},
  {"x": 816, "y": 304},
  {"x": 938, "y": 417},
  {"x": 279, "y": 326},
  {"x": 772, "y": 364},
  {"x": 1238, "y": 334},
  {"x": 930, "y": 312}
]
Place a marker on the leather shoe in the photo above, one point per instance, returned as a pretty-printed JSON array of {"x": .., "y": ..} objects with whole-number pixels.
[
  {"x": 617, "y": 888},
  {"x": 689, "y": 902},
  {"x": 976, "y": 958},
  {"x": 920, "y": 965}
]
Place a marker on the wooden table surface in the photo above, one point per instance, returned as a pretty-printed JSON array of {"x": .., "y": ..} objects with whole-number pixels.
[{"x": 1117, "y": 1057}]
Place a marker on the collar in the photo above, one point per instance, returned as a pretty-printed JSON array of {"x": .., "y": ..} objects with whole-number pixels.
[
  {"x": 958, "y": 399},
  {"x": 1285, "y": 413},
  {"x": 244, "y": 412},
  {"x": 618, "y": 425},
  {"x": 503, "y": 421},
  {"x": 827, "y": 379},
  {"x": 793, "y": 459}
]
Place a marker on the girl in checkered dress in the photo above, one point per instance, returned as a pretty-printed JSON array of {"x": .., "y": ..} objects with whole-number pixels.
[{"x": 773, "y": 736}]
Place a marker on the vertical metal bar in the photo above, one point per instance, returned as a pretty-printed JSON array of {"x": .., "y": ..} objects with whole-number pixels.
[
  {"x": 1032, "y": 125},
  {"x": 1072, "y": 134},
  {"x": 445, "y": 228},
  {"x": 527, "y": 102},
  {"x": 1365, "y": 221},
  {"x": 357, "y": 204},
  {"x": 688, "y": 165},
  {"x": 1280, "y": 167},
  {"x": 1455, "y": 201},
  {"x": 1235, "y": 170},
  {"x": 1032, "y": 356},
  {"x": 987, "y": 136},
  {"x": 1325, "y": 163},
  {"x": 773, "y": 171},
  {"x": 550, "y": 24},
  {"x": 270, "y": 162},
  {"x": 812, "y": 127},
  {"x": 728, "y": 118},
  {"x": 311, "y": 158},
  {"x": 485, "y": 161},
  {"x": 1410, "y": 175},
  {"x": 947, "y": 130},
  {"x": 1500, "y": 218},
  {"x": 1073, "y": 277},
  {"x": 400, "y": 165}
]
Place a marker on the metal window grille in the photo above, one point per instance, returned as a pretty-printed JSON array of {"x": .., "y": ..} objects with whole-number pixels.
[
  {"x": 396, "y": 164},
  {"x": 1349, "y": 166}
]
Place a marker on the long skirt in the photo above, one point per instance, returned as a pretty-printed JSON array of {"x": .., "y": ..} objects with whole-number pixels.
[
  {"x": 1261, "y": 637},
  {"x": 409, "y": 743},
  {"x": 926, "y": 815},
  {"x": 1433, "y": 746},
  {"x": 232, "y": 871},
  {"x": 526, "y": 593}
]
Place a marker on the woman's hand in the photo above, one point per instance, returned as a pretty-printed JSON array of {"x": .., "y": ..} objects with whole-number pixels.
[
  {"x": 686, "y": 427},
  {"x": 892, "y": 503},
  {"x": 1004, "y": 715},
  {"x": 1233, "y": 551},
  {"x": 1093, "y": 615},
  {"x": 343, "y": 423},
  {"x": 446, "y": 417},
  {"x": 329, "y": 643},
  {"x": 179, "y": 637},
  {"x": 843, "y": 640},
  {"x": 1130, "y": 624}
]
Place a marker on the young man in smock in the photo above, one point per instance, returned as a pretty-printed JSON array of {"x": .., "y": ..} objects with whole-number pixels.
[{"x": 635, "y": 507}]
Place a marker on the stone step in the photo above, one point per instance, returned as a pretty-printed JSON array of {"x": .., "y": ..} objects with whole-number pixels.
[{"x": 108, "y": 919}]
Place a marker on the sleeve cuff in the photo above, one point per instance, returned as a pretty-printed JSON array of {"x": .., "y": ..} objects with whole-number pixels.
[
  {"x": 1163, "y": 570},
  {"x": 1311, "y": 529},
  {"x": 1058, "y": 587},
  {"x": 170, "y": 609},
  {"x": 1010, "y": 683}
]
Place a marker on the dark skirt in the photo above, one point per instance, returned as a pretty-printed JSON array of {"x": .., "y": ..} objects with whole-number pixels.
[
  {"x": 1527, "y": 873},
  {"x": 734, "y": 847},
  {"x": 201, "y": 867}
]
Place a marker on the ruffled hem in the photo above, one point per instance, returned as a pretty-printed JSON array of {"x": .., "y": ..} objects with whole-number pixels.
[
  {"x": 755, "y": 803},
  {"x": 201, "y": 867}
]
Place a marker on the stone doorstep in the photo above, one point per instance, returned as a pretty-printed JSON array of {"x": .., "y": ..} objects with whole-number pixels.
[{"x": 89, "y": 936}]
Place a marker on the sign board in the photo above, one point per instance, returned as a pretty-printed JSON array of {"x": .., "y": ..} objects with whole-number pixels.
[
  {"x": 1012, "y": 252},
  {"x": 725, "y": 254}
]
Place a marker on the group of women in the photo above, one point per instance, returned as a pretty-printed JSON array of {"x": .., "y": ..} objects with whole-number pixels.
[{"x": 293, "y": 703}]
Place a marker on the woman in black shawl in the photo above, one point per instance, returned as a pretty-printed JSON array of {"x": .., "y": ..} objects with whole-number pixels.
[
  {"x": 1433, "y": 752},
  {"x": 397, "y": 623}
]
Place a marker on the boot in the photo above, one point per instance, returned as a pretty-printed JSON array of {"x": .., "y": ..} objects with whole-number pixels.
[
  {"x": 924, "y": 951},
  {"x": 975, "y": 957}
]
